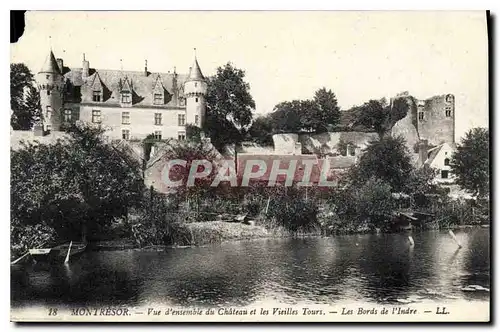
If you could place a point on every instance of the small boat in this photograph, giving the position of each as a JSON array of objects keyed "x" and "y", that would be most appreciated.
[{"x": 58, "y": 253}]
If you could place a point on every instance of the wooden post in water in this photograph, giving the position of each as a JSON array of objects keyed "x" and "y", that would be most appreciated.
[
  {"x": 412, "y": 243},
  {"x": 267, "y": 205},
  {"x": 66, "y": 261},
  {"x": 455, "y": 238}
]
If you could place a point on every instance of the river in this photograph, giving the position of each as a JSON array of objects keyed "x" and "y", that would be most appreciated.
[{"x": 379, "y": 268}]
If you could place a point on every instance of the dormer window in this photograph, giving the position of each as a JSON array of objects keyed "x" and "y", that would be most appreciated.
[
  {"x": 158, "y": 99},
  {"x": 96, "y": 96},
  {"x": 126, "y": 97}
]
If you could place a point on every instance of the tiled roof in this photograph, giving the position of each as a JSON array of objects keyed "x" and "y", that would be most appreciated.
[{"x": 432, "y": 153}]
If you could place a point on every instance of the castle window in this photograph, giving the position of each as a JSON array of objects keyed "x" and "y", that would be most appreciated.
[
  {"x": 196, "y": 119},
  {"x": 196, "y": 99},
  {"x": 195, "y": 84},
  {"x": 182, "y": 101},
  {"x": 126, "y": 134},
  {"x": 444, "y": 174},
  {"x": 96, "y": 116},
  {"x": 126, "y": 97},
  {"x": 48, "y": 127},
  {"x": 181, "y": 119},
  {"x": 67, "y": 115},
  {"x": 96, "y": 96},
  {"x": 352, "y": 151},
  {"x": 158, "y": 135},
  {"x": 181, "y": 136},
  {"x": 158, "y": 99},
  {"x": 447, "y": 162},
  {"x": 420, "y": 115},
  {"x": 157, "y": 118},
  {"x": 48, "y": 76},
  {"x": 125, "y": 117},
  {"x": 48, "y": 92},
  {"x": 448, "y": 111}
]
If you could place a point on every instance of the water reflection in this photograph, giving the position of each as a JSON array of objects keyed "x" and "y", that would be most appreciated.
[{"x": 381, "y": 268}]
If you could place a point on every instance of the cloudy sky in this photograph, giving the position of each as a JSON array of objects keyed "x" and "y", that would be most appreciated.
[{"x": 286, "y": 55}]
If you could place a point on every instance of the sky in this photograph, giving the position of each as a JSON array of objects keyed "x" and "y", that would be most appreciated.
[{"x": 286, "y": 55}]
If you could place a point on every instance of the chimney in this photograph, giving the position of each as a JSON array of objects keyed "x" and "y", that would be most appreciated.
[
  {"x": 60, "y": 64},
  {"x": 146, "y": 68},
  {"x": 85, "y": 68},
  {"x": 422, "y": 152}
]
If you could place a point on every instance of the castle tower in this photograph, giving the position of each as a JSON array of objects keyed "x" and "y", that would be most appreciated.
[
  {"x": 195, "y": 91},
  {"x": 50, "y": 84},
  {"x": 436, "y": 119}
]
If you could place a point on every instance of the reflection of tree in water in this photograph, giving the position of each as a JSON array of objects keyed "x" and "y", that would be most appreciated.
[
  {"x": 313, "y": 269},
  {"x": 386, "y": 266},
  {"x": 90, "y": 280},
  {"x": 477, "y": 263},
  {"x": 205, "y": 276}
]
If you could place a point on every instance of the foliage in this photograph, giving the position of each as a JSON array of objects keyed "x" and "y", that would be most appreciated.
[
  {"x": 153, "y": 223},
  {"x": 470, "y": 163},
  {"x": 24, "y": 97},
  {"x": 189, "y": 152},
  {"x": 24, "y": 237},
  {"x": 229, "y": 106},
  {"x": 380, "y": 116},
  {"x": 326, "y": 113},
  {"x": 387, "y": 159},
  {"x": 261, "y": 131},
  {"x": 373, "y": 201},
  {"x": 74, "y": 186},
  {"x": 193, "y": 133},
  {"x": 292, "y": 211}
]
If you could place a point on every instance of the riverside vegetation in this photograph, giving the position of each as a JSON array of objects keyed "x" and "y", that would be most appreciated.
[{"x": 86, "y": 188}]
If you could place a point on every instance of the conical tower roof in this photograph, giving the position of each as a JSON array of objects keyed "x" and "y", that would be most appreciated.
[
  {"x": 195, "y": 72},
  {"x": 50, "y": 65}
]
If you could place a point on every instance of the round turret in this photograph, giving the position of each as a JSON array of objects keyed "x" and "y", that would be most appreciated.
[
  {"x": 195, "y": 91},
  {"x": 51, "y": 84}
]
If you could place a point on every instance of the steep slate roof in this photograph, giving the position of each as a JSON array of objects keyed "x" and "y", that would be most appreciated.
[
  {"x": 50, "y": 65},
  {"x": 195, "y": 72},
  {"x": 143, "y": 86}
]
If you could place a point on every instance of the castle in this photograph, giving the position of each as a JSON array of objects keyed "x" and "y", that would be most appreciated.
[{"x": 129, "y": 104}]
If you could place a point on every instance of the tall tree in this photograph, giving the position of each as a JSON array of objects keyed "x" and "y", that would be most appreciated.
[
  {"x": 380, "y": 116},
  {"x": 229, "y": 106},
  {"x": 470, "y": 163},
  {"x": 21, "y": 84},
  {"x": 261, "y": 130},
  {"x": 387, "y": 159},
  {"x": 74, "y": 184},
  {"x": 327, "y": 110}
]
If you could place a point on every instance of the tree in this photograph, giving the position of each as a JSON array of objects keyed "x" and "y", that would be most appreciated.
[
  {"x": 261, "y": 131},
  {"x": 470, "y": 163},
  {"x": 373, "y": 201},
  {"x": 287, "y": 116},
  {"x": 229, "y": 106},
  {"x": 23, "y": 97},
  {"x": 318, "y": 115},
  {"x": 380, "y": 116},
  {"x": 388, "y": 160},
  {"x": 75, "y": 186},
  {"x": 327, "y": 111}
]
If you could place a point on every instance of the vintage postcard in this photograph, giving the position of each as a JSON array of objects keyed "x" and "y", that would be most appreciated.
[{"x": 242, "y": 166}]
